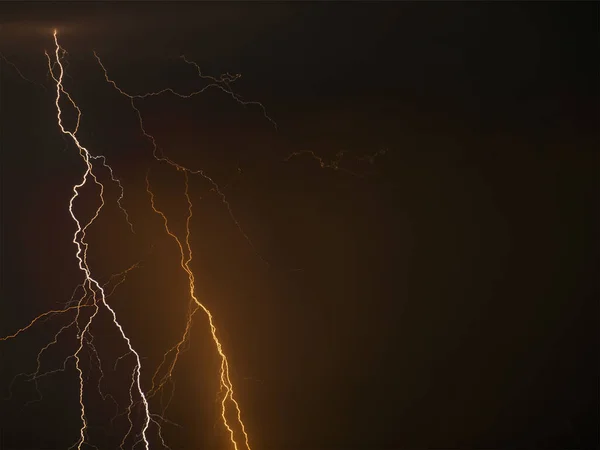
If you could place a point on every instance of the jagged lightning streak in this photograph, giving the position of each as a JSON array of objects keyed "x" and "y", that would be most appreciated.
[
  {"x": 225, "y": 380},
  {"x": 82, "y": 247},
  {"x": 223, "y": 83}
]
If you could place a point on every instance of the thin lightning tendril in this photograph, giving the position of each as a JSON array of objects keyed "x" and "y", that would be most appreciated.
[
  {"x": 18, "y": 71},
  {"x": 335, "y": 164},
  {"x": 70, "y": 306},
  {"x": 222, "y": 84}
]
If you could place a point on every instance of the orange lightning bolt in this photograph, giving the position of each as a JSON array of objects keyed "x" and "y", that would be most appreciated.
[
  {"x": 225, "y": 380},
  {"x": 228, "y": 400}
]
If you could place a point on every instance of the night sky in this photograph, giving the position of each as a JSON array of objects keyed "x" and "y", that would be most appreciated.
[{"x": 439, "y": 295}]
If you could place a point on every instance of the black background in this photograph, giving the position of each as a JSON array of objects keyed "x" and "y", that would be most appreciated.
[{"x": 446, "y": 297}]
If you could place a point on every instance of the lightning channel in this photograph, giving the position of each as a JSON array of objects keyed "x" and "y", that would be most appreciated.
[
  {"x": 224, "y": 378},
  {"x": 79, "y": 236}
]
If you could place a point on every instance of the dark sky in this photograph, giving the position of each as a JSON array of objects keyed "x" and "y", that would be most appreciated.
[{"x": 446, "y": 297}]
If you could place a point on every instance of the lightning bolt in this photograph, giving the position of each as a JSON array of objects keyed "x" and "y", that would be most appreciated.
[
  {"x": 90, "y": 283},
  {"x": 228, "y": 401},
  {"x": 224, "y": 379}
]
